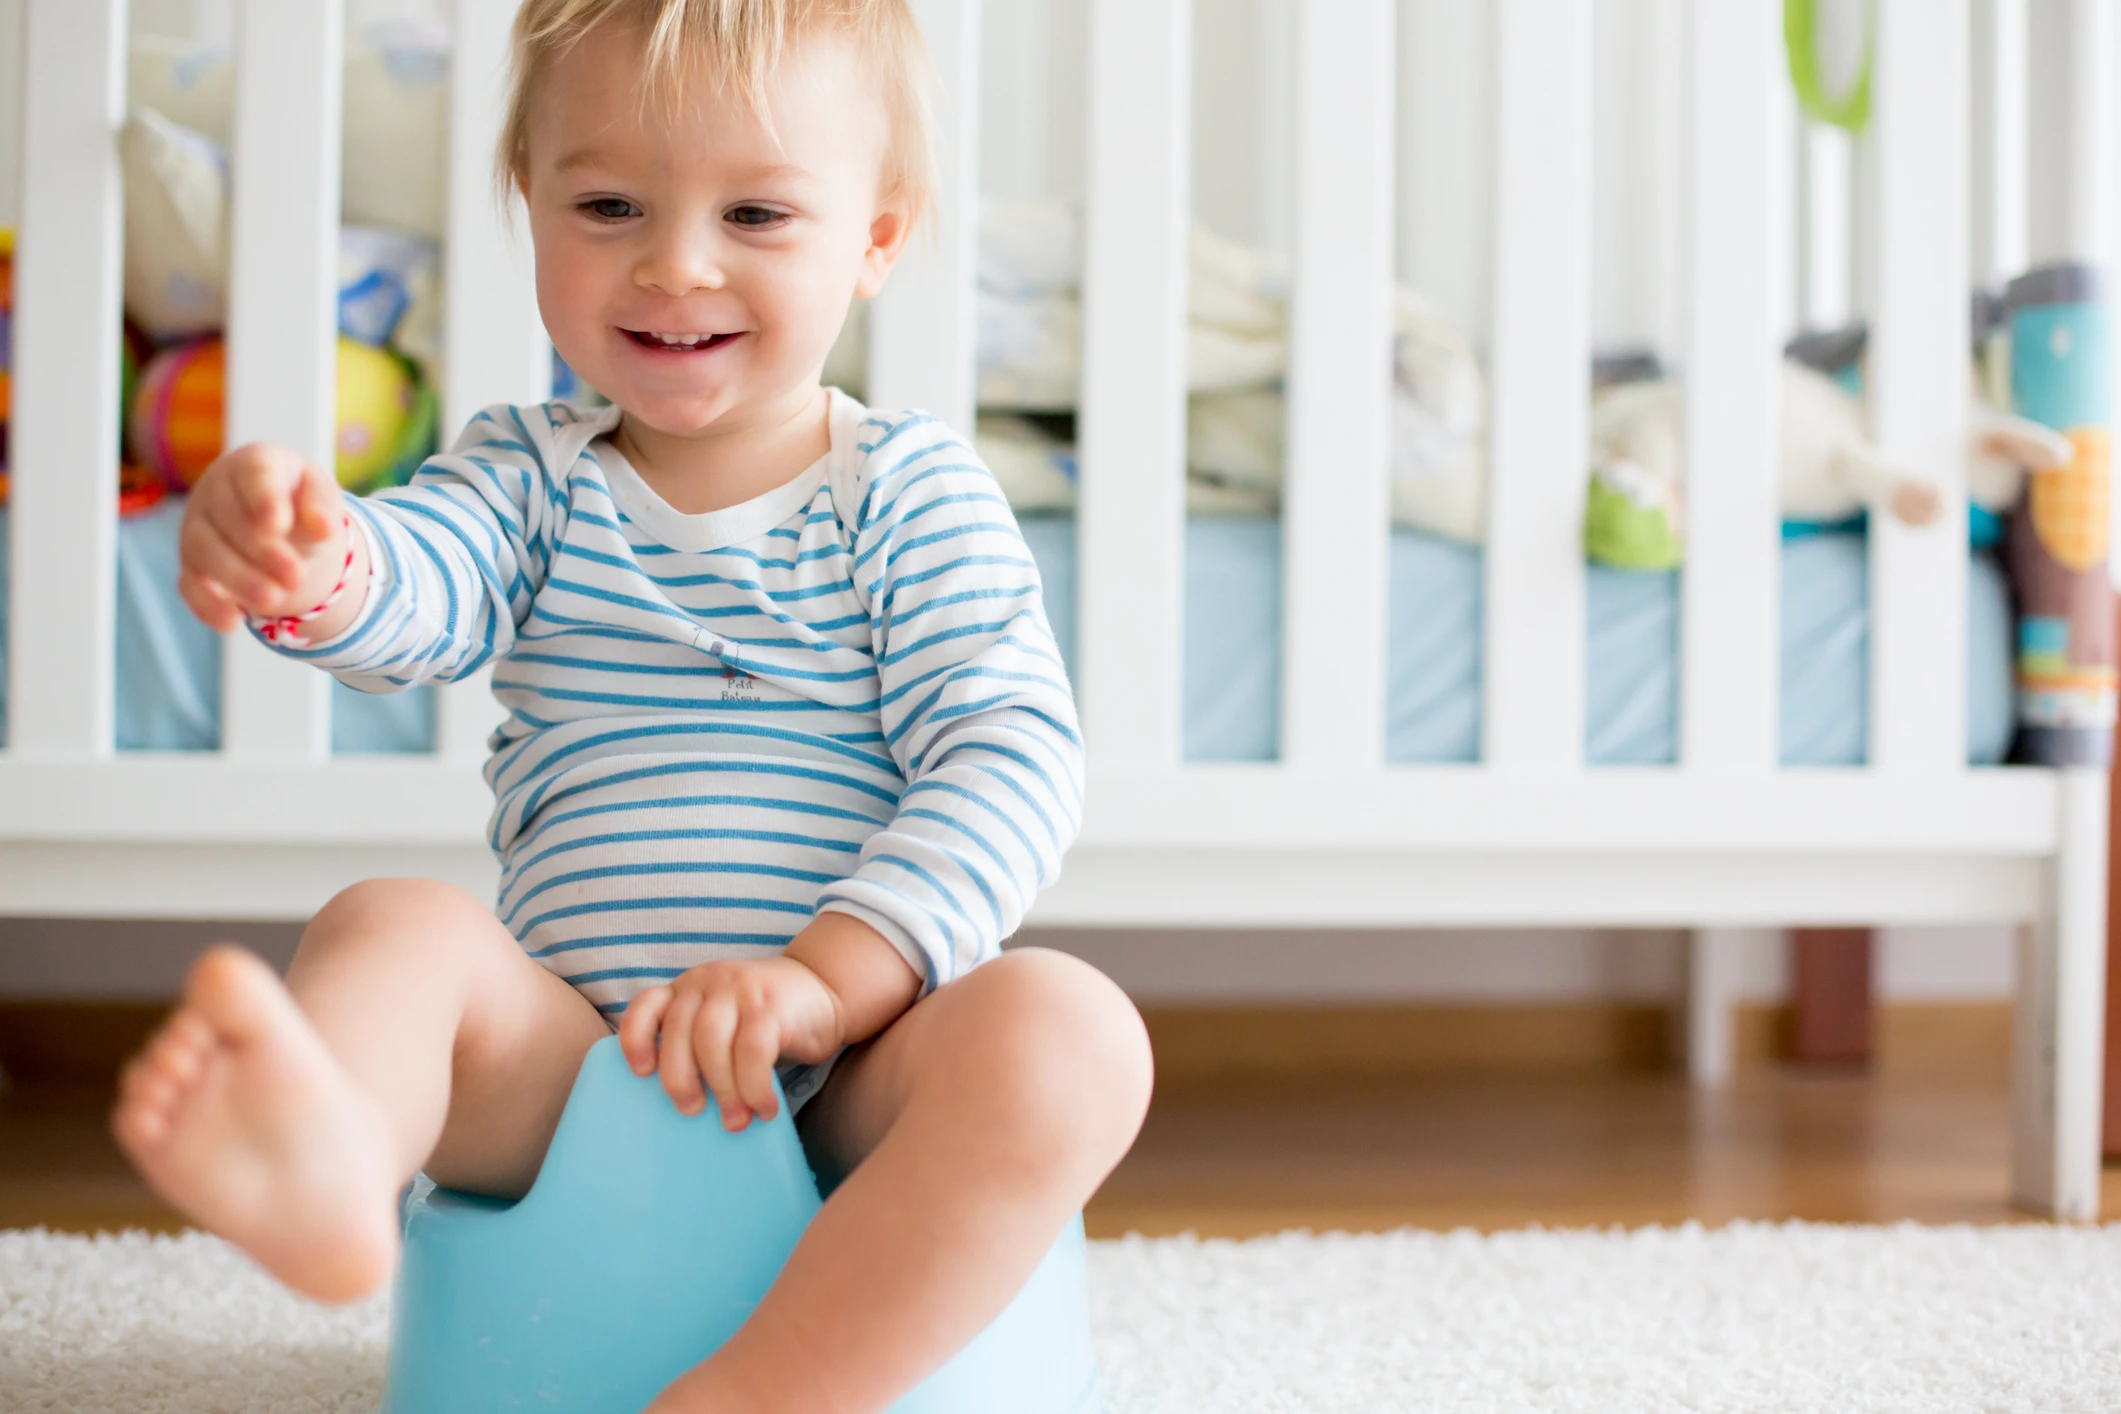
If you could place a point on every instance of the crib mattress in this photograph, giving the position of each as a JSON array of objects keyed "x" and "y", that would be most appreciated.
[
  {"x": 169, "y": 664},
  {"x": 1232, "y": 680},
  {"x": 169, "y": 679}
]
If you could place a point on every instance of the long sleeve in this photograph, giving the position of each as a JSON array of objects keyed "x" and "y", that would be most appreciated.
[
  {"x": 456, "y": 556},
  {"x": 976, "y": 708}
]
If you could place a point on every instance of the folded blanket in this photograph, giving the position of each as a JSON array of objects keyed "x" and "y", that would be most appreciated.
[{"x": 1237, "y": 353}]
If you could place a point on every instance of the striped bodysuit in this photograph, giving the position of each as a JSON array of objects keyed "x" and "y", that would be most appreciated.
[{"x": 841, "y": 695}]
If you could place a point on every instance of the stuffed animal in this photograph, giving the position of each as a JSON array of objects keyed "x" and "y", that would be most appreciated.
[{"x": 1830, "y": 468}]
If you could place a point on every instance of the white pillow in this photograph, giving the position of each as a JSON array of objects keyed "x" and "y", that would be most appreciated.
[
  {"x": 176, "y": 227},
  {"x": 395, "y": 154}
]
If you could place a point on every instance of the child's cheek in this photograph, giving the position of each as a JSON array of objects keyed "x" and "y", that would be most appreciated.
[{"x": 569, "y": 282}]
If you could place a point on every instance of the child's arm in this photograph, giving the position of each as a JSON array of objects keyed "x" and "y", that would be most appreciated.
[
  {"x": 975, "y": 708},
  {"x": 436, "y": 575}
]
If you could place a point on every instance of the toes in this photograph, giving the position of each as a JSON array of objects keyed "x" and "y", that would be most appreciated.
[
  {"x": 154, "y": 1084},
  {"x": 183, "y": 1048},
  {"x": 176, "y": 1055},
  {"x": 234, "y": 994},
  {"x": 138, "y": 1124}
]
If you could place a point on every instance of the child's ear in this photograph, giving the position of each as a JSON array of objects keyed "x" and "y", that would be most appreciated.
[{"x": 888, "y": 235}]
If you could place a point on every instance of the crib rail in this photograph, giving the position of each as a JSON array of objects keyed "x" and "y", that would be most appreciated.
[
  {"x": 283, "y": 320},
  {"x": 1737, "y": 121},
  {"x": 1131, "y": 522},
  {"x": 1918, "y": 372},
  {"x": 64, "y": 440},
  {"x": 1532, "y": 675},
  {"x": 1334, "y": 533}
]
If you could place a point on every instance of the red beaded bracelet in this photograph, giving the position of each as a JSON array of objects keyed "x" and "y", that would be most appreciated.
[{"x": 281, "y": 630}]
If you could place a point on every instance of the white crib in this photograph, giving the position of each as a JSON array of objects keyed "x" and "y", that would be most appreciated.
[{"x": 271, "y": 825}]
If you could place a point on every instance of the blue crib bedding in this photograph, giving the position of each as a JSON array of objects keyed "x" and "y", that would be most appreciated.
[
  {"x": 169, "y": 679},
  {"x": 169, "y": 664},
  {"x": 1232, "y": 669}
]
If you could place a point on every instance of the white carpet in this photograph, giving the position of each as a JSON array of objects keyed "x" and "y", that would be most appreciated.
[{"x": 1753, "y": 1318}]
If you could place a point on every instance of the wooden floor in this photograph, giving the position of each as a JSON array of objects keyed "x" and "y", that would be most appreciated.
[{"x": 1480, "y": 1151}]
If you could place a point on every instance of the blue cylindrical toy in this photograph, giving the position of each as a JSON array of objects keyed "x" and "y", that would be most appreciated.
[
  {"x": 2061, "y": 352},
  {"x": 647, "y": 1239}
]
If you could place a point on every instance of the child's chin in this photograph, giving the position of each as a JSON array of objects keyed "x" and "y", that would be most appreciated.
[{"x": 678, "y": 417}]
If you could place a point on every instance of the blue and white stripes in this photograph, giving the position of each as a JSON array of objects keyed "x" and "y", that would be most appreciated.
[{"x": 841, "y": 695}]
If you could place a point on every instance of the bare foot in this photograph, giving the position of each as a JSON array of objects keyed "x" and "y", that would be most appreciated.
[{"x": 240, "y": 1118}]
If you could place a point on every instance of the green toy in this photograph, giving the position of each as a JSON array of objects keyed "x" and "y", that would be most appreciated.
[
  {"x": 1851, "y": 109},
  {"x": 1629, "y": 522}
]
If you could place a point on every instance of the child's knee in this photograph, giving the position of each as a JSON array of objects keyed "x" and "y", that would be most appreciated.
[
  {"x": 441, "y": 917},
  {"x": 1068, "y": 1046}
]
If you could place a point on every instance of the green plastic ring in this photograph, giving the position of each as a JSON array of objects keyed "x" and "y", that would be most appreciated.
[{"x": 1800, "y": 35}]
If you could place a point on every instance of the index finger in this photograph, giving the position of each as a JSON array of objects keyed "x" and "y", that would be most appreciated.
[{"x": 265, "y": 491}]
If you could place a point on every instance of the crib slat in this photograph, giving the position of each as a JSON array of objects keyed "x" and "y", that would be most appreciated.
[
  {"x": 1918, "y": 375},
  {"x": 2001, "y": 95},
  {"x": 2073, "y": 117},
  {"x": 1534, "y": 667},
  {"x": 1131, "y": 522},
  {"x": 63, "y": 449},
  {"x": 1829, "y": 273},
  {"x": 283, "y": 318},
  {"x": 1335, "y": 504},
  {"x": 1728, "y": 659},
  {"x": 496, "y": 349},
  {"x": 1446, "y": 157},
  {"x": 921, "y": 341}
]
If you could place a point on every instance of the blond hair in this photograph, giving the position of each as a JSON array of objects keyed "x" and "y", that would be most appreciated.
[{"x": 734, "y": 46}]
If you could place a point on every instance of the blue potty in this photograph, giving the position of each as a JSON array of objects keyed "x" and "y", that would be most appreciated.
[{"x": 647, "y": 1239}]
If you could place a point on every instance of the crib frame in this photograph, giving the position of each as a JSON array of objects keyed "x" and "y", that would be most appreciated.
[{"x": 271, "y": 825}]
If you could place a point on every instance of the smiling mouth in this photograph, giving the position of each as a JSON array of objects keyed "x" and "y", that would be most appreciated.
[{"x": 680, "y": 343}]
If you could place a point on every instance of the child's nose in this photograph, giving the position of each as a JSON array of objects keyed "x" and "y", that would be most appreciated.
[{"x": 680, "y": 267}]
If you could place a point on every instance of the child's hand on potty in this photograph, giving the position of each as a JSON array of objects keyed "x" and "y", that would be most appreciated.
[
  {"x": 729, "y": 1021},
  {"x": 837, "y": 983}
]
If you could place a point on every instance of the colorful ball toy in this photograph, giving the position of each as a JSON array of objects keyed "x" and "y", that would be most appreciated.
[
  {"x": 176, "y": 424},
  {"x": 377, "y": 397},
  {"x": 385, "y": 417}
]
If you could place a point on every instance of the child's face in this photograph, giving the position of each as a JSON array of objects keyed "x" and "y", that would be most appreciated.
[{"x": 696, "y": 228}]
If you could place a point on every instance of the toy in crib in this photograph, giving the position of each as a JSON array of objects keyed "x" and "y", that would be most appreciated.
[
  {"x": 176, "y": 282},
  {"x": 1830, "y": 471},
  {"x": 386, "y": 416},
  {"x": 2061, "y": 377},
  {"x": 645, "y": 1242}
]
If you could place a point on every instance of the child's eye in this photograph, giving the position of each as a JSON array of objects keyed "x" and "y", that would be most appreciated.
[
  {"x": 754, "y": 218},
  {"x": 609, "y": 208}
]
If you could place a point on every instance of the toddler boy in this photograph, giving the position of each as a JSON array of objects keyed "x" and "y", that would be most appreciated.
[{"x": 789, "y": 747}]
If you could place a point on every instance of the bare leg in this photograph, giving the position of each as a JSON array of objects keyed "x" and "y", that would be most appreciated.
[
  {"x": 1012, "y": 1092},
  {"x": 412, "y": 1032}
]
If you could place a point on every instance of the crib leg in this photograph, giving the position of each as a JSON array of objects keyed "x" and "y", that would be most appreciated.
[
  {"x": 2058, "y": 1061},
  {"x": 1711, "y": 978}
]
